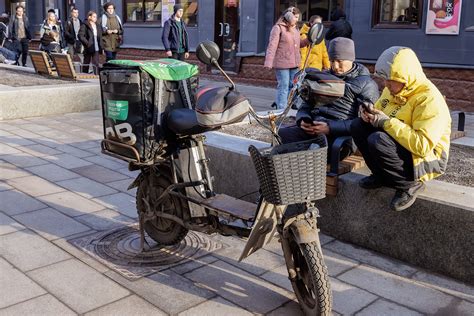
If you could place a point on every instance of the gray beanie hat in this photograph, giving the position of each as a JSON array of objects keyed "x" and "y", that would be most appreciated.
[{"x": 341, "y": 48}]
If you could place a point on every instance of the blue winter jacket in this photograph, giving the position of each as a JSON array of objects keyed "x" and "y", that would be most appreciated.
[{"x": 170, "y": 35}]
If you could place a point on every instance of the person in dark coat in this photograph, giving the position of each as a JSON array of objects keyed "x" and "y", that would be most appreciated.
[
  {"x": 71, "y": 33},
  {"x": 19, "y": 32},
  {"x": 340, "y": 27},
  {"x": 175, "y": 35},
  {"x": 334, "y": 119},
  {"x": 90, "y": 35}
]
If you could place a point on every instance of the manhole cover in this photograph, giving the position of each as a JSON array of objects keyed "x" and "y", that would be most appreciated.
[{"x": 119, "y": 249}]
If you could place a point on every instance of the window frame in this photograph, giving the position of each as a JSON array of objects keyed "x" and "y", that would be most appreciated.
[
  {"x": 141, "y": 22},
  {"x": 376, "y": 24},
  {"x": 326, "y": 20}
]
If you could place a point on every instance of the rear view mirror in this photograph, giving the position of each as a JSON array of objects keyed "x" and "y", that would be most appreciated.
[
  {"x": 316, "y": 34},
  {"x": 208, "y": 52}
]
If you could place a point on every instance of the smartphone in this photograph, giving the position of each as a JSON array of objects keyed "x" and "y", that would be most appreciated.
[
  {"x": 307, "y": 120},
  {"x": 368, "y": 106}
]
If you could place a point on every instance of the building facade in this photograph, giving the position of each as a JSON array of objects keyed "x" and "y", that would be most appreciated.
[{"x": 241, "y": 28}]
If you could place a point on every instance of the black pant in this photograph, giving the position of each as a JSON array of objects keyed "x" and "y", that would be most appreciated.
[
  {"x": 110, "y": 55},
  {"x": 91, "y": 59},
  {"x": 23, "y": 46},
  {"x": 294, "y": 134},
  {"x": 391, "y": 163},
  {"x": 179, "y": 56}
]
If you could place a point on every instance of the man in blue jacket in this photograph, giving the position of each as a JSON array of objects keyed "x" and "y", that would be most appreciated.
[{"x": 175, "y": 36}]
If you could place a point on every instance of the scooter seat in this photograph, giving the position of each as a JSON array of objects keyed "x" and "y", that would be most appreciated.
[{"x": 184, "y": 122}]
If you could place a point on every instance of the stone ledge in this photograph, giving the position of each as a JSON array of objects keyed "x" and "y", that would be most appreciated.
[
  {"x": 23, "y": 102},
  {"x": 435, "y": 233}
]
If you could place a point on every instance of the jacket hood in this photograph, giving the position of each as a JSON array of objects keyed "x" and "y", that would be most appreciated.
[
  {"x": 304, "y": 29},
  {"x": 401, "y": 64}
]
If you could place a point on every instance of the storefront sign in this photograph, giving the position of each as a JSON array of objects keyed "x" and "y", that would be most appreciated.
[
  {"x": 166, "y": 10},
  {"x": 443, "y": 17}
]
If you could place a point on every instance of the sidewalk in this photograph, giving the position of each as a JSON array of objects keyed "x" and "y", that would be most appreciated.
[{"x": 56, "y": 186}]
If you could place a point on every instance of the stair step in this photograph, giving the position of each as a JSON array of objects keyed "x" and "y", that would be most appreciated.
[{"x": 229, "y": 205}]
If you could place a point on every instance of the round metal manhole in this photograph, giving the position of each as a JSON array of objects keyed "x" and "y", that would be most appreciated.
[{"x": 120, "y": 250}]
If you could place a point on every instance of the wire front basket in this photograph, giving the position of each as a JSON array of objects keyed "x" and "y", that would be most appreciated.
[{"x": 292, "y": 173}]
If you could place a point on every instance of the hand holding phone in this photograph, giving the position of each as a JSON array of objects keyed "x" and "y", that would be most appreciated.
[
  {"x": 307, "y": 120},
  {"x": 367, "y": 106}
]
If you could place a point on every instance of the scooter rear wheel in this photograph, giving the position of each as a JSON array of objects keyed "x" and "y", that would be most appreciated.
[
  {"x": 311, "y": 284},
  {"x": 163, "y": 231}
]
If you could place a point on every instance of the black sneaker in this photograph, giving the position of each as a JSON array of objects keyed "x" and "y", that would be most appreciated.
[
  {"x": 274, "y": 105},
  {"x": 403, "y": 199},
  {"x": 370, "y": 183}
]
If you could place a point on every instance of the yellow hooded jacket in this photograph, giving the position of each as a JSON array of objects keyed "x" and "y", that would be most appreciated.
[
  {"x": 419, "y": 116},
  {"x": 318, "y": 57}
]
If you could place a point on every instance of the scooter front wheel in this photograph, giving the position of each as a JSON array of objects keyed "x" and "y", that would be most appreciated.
[
  {"x": 311, "y": 283},
  {"x": 163, "y": 231}
]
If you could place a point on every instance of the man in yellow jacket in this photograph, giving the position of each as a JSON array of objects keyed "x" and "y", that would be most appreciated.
[
  {"x": 318, "y": 57},
  {"x": 405, "y": 136}
]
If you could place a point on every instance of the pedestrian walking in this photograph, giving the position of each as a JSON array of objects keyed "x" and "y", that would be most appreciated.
[
  {"x": 112, "y": 31},
  {"x": 283, "y": 53},
  {"x": 90, "y": 35},
  {"x": 19, "y": 33},
  {"x": 175, "y": 35},
  {"x": 340, "y": 27},
  {"x": 318, "y": 57},
  {"x": 71, "y": 34}
]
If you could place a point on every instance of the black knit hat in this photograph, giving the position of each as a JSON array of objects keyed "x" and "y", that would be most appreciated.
[{"x": 177, "y": 7}]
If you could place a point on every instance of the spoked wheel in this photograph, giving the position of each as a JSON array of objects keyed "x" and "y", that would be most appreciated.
[
  {"x": 311, "y": 284},
  {"x": 161, "y": 230}
]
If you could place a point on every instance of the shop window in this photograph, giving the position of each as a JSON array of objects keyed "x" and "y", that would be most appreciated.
[
  {"x": 308, "y": 8},
  {"x": 397, "y": 13},
  {"x": 157, "y": 12}
]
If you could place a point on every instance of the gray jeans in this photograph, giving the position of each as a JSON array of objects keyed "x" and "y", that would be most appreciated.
[{"x": 75, "y": 49}]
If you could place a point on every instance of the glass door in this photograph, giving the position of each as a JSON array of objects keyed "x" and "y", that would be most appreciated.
[{"x": 227, "y": 32}]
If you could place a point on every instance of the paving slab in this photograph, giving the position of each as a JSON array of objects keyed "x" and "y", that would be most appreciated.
[
  {"x": 291, "y": 308},
  {"x": 8, "y": 225},
  {"x": 169, "y": 291},
  {"x": 16, "y": 202},
  {"x": 52, "y": 172},
  {"x": 86, "y": 187},
  {"x": 121, "y": 202},
  {"x": 131, "y": 174},
  {"x": 348, "y": 299},
  {"x": 15, "y": 141},
  {"x": 371, "y": 258},
  {"x": 70, "y": 203},
  {"x": 24, "y": 160},
  {"x": 445, "y": 284},
  {"x": 279, "y": 277},
  {"x": 78, "y": 285},
  {"x": 9, "y": 171},
  {"x": 105, "y": 220},
  {"x": 39, "y": 150},
  {"x": 122, "y": 185},
  {"x": 216, "y": 307},
  {"x": 131, "y": 305},
  {"x": 382, "y": 307},
  {"x": 27, "y": 251},
  {"x": 337, "y": 263},
  {"x": 34, "y": 186},
  {"x": 82, "y": 256},
  {"x": 20, "y": 287},
  {"x": 240, "y": 287},
  {"x": 67, "y": 161},
  {"x": 193, "y": 264},
  {"x": 104, "y": 161},
  {"x": 51, "y": 224},
  {"x": 398, "y": 289},
  {"x": 73, "y": 151},
  {"x": 99, "y": 173},
  {"x": 4, "y": 186},
  {"x": 42, "y": 305},
  {"x": 258, "y": 263},
  {"x": 8, "y": 150}
]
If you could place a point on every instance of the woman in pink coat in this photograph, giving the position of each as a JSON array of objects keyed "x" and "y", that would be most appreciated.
[{"x": 283, "y": 53}]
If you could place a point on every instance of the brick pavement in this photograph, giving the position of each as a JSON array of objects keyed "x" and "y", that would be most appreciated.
[{"x": 55, "y": 185}]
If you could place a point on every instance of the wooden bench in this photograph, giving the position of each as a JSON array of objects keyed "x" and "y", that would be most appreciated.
[
  {"x": 41, "y": 64},
  {"x": 65, "y": 68}
]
